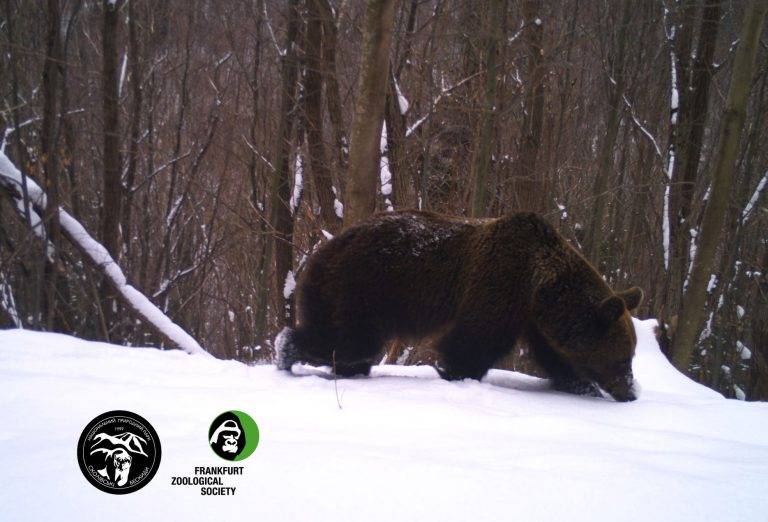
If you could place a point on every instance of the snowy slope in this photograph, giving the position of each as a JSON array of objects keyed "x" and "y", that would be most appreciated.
[{"x": 404, "y": 446}]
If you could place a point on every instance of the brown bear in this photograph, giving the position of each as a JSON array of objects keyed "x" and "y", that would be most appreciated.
[{"x": 477, "y": 286}]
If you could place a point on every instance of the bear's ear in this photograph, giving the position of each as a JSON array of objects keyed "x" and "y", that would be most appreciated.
[
  {"x": 632, "y": 297},
  {"x": 610, "y": 309}
]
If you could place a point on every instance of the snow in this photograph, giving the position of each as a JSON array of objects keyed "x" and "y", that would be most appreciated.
[
  {"x": 416, "y": 125},
  {"x": 712, "y": 283},
  {"x": 692, "y": 249},
  {"x": 755, "y": 196},
  {"x": 7, "y": 302},
  {"x": 667, "y": 209},
  {"x": 122, "y": 76},
  {"x": 174, "y": 210},
  {"x": 290, "y": 284},
  {"x": 445, "y": 91},
  {"x": 674, "y": 101},
  {"x": 298, "y": 182},
  {"x": 385, "y": 175},
  {"x": 404, "y": 445},
  {"x": 674, "y": 105},
  {"x": 642, "y": 127},
  {"x": 402, "y": 101},
  {"x": 563, "y": 210},
  {"x": 280, "y": 51},
  {"x": 338, "y": 207},
  {"x": 744, "y": 352},
  {"x": 517, "y": 33}
]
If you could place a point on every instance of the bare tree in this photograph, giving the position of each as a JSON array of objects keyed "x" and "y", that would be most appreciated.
[
  {"x": 615, "y": 110},
  {"x": 722, "y": 184},
  {"x": 281, "y": 217},
  {"x": 134, "y": 56},
  {"x": 313, "y": 100},
  {"x": 364, "y": 152},
  {"x": 49, "y": 139},
  {"x": 481, "y": 162},
  {"x": 530, "y": 182},
  {"x": 695, "y": 79},
  {"x": 112, "y": 186}
]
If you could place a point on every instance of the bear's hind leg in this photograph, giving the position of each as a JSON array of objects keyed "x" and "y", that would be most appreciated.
[
  {"x": 564, "y": 378},
  {"x": 362, "y": 368},
  {"x": 349, "y": 351},
  {"x": 303, "y": 345},
  {"x": 354, "y": 351}
]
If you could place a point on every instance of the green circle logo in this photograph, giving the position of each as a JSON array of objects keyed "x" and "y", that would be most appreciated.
[{"x": 233, "y": 435}]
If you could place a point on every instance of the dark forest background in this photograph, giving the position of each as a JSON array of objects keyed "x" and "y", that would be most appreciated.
[{"x": 211, "y": 145}]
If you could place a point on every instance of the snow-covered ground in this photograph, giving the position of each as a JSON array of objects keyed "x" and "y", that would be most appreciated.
[{"x": 404, "y": 445}]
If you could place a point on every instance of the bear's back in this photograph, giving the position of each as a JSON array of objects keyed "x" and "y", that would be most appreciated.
[{"x": 394, "y": 271}]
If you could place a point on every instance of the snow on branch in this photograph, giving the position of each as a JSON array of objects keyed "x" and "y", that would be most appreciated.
[
  {"x": 97, "y": 255},
  {"x": 385, "y": 175},
  {"x": 258, "y": 154},
  {"x": 445, "y": 91},
  {"x": 642, "y": 127},
  {"x": 280, "y": 51},
  {"x": 753, "y": 200},
  {"x": 298, "y": 182},
  {"x": 717, "y": 66},
  {"x": 402, "y": 101},
  {"x": 8, "y": 303},
  {"x": 517, "y": 34},
  {"x": 11, "y": 129}
]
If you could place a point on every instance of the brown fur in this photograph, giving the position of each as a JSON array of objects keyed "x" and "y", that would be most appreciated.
[{"x": 476, "y": 285}]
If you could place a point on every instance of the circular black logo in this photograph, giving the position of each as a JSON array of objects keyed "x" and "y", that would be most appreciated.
[
  {"x": 233, "y": 435},
  {"x": 119, "y": 452}
]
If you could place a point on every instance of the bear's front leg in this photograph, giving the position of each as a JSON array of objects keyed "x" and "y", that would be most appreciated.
[
  {"x": 564, "y": 378},
  {"x": 468, "y": 353},
  {"x": 576, "y": 386}
]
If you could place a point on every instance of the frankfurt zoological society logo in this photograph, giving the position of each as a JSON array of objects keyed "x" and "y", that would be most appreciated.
[
  {"x": 119, "y": 452},
  {"x": 233, "y": 435}
]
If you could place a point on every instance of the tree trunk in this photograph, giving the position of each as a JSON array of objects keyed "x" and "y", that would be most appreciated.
[
  {"x": 531, "y": 187},
  {"x": 49, "y": 138},
  {"x": 110, "y": 210},
  {"x": 692, "y": 312},
  {"x": 404, "y": 193},
  {"x": 133, "y": 149},
  {"x": 364, "y": 152},
  {"x": 688, "y": 138},
  {"x": 605, "y": 161},
  {"x": 482, "y": 157},
  {"x": 332, "y": 92},
  {"x": 313, "y": 101},
  {"x": 280, "y": 190},
  {"x": 258, "y": 196}
]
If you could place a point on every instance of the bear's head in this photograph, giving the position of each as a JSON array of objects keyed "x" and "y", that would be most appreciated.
[
  {"x": 604, "y": 350},
  {"x": 598, "y": 340}
]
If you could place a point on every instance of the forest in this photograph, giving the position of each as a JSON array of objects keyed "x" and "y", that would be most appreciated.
[{"x": 166, "y": 168}]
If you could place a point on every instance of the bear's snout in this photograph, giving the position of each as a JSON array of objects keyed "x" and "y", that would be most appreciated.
[{"x": 622, "y": 388}]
